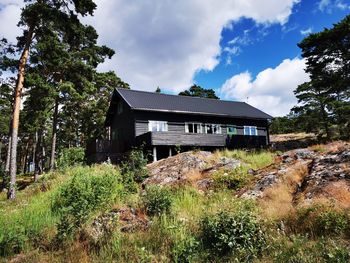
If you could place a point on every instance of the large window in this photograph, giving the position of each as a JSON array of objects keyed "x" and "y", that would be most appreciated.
[
  {"x": 157, "y": 126},
  {"x": 250, "y": 130},
  {"x": 212, "y": 128},
  {"x": 193, "y": 127}
]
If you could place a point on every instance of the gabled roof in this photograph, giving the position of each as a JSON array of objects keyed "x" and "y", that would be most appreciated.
[{"x": 152, "y": 101}]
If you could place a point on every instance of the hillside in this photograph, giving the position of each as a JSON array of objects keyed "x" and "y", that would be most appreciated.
[{"x": 225, "y": 206}]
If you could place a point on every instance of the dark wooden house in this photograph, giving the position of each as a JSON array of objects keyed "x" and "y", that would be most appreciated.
[{"x": 163, "y": 122}]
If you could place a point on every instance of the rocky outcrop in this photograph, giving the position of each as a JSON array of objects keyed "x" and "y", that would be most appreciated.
[
  {"x": 326, "y": 174},
  {"x": 125, "y": 219},
  {"x": 188, "y": 168}
]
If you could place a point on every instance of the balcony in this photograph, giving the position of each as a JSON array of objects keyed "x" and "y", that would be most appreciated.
[{"x": 183, "y": 139}]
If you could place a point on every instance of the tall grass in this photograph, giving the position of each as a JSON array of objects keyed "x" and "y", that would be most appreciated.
[{"x": 253, "y": 159}]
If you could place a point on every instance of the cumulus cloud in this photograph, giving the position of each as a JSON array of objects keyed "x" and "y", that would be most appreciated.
[
  {"x": 9, "y": 16},
  {"x": 271, "y": 90},
  {"x": 164, "y": 43}
]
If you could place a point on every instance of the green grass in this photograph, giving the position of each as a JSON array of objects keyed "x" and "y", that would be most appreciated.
[
  {"x": 27, "y": 225},
  {"x": 252, "y": 159}
]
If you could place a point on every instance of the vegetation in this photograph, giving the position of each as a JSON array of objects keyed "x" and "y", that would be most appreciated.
[
  {"x": 198, "y": 91},
  {"x": 323, "y": 102},
  {"x": 51, "y": 220}
]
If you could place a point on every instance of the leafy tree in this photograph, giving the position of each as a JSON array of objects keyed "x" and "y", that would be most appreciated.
[
  {"x": 158, "y": 90},
  {"x": 327, "y": 95},
  {"x": 198, "y": 91}
]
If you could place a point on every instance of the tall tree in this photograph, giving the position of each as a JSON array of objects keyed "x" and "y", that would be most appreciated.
[
  {"x": 198, "y": 91},
  {"x": 327, "y": 94},
  {"x": 37, "y": 19}
]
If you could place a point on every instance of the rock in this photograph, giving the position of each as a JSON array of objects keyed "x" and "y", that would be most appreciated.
[
  {"x": 188, "y": 168},
  {"x": 127, "y": 219}
]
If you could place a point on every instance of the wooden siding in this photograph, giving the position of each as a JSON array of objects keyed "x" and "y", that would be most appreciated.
[{"x": 182, "y": 139}]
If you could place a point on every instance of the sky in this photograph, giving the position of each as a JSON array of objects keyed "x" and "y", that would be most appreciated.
[{"x": 245, "y": 50}]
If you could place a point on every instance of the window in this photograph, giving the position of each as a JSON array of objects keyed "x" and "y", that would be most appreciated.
[
  {"x": 231, "y": 130},
  {"x": 250, "y": 130},
  {"x": 193, "y": 128},
  {"x": 157, "y": 126},
  {"x": 212, "y": 128},
  {"x": 119, "y": 107}
]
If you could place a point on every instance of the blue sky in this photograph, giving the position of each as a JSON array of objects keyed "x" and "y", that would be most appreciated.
[
  {"x": 244, "y": 49},
  {"x": 262, "y": 46}
]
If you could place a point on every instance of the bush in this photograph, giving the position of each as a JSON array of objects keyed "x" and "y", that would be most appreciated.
[
  {"x": 83, "y": 195},
  {"x": 71, "y": 156},
  {"x": 233, "y": 179},
  {"x": 226, "y": 232},
  {"x": 300, "y": 249},
  {"x": 157, "y": 200},
  {"x": 184, "y": 250},
  {"x": 319, "y": 220},
  {"x": 134, "y": 170}
]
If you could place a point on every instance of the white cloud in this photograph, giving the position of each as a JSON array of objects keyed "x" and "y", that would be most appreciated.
[
  {"x": 329, "y": 5},
  {"x": 306, "y": 31},
  {"x": 271, "y": 90},
  {"x": 9, "y": 16},
  {"x": 164, "y": 43}
]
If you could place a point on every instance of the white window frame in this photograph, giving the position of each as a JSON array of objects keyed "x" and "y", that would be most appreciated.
[
  {"x": 250, "y": 128},
  {"x": 200, "y": 126},
  {"x": 218, "y": 131},
  {"x": 159, "y": 126}
]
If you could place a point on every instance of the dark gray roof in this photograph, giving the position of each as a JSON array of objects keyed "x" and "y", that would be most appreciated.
[{"x": 152, "y": 101}]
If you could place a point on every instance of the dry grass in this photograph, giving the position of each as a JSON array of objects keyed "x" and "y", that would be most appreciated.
[
  {"x": 333, "y": 147},
  {"x": 278, "y": 199},
  {"x": 292, "y": 136}
]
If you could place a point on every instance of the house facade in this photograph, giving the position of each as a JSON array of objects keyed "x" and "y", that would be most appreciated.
[{"x": 163, "y": 123}]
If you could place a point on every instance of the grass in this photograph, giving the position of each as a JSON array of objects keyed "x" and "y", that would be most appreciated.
[
  {"x": 293, "y": 233},
  {"x": 252, "y": 159}
]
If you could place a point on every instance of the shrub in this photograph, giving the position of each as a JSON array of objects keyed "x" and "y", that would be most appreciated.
[
  {"x": 184, "y": 250},
  {"x": 300, "y": 249},
  {"x": 232, "y": 179},
  {"x": 226, "y": 232},
  {"x": 134, "y": 169},
  {"x": 83, "y": 195},
  {"x": 157, "y": 200},
  {"x": 319, "y": 220},
  {"x": 71, "y": 156}
]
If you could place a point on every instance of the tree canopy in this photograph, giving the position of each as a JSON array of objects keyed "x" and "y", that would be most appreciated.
[{"x": 198, "y": 91}]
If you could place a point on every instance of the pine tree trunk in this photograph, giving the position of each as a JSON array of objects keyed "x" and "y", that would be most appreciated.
[
  {"x": 34, "y": 157},
  {"x": 25, "y": 158},
  {"x": 11, "y": 194},
  {"x": 54, "y": 136}
]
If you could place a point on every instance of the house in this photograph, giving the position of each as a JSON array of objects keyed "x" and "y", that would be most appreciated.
[{"x": 163, "y": 123}]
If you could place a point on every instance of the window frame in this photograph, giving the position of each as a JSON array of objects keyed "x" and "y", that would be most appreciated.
[
  {"x": 199, "y": 125},
  {"x": 218, "y": 131},
  {"x": 250, "y": 130},
  {"x": 159, "y": 125},
  {"x": 231, "y": 133}
]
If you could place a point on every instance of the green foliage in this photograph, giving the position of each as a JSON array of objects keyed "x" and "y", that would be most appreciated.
[
  {"x": 157, "y": 200},
  {"x": 324, "y": 100},
  {"x": 198, "y": 91},
  {"x": 71, "y": 156},
  {"x": 319, "y": 221},
  {"x": 297, "y": 249},
  {"x": 134, "y": 170},
  {"x": 185, "y": 249},
  {"x": 231, "y": 179},
  {"x": 250, "y": 159},
  {"x": 83, "y": 195},
  {"x": 232, "y": 232}
]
